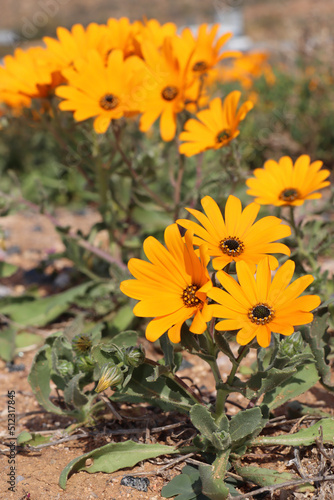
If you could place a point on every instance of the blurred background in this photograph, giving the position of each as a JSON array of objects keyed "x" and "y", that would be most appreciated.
[{"x": 278, "y": 26}]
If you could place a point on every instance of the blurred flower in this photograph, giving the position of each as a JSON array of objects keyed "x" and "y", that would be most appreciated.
[
  {"x": 75, "y": 43},
  {"x": 96, "y": 90},
  {"x": 236, "y": 238},
  {"x": 152, "y": 30},
  {"x": 258, "y": 306},
  {"x": 119, "y": 34},
  {"x": 215, "y": 127},
  {"x": 285, "y": 183},
  {"x": 247, "y": 68},
  {"x": 172, "y": 287},
  {"x": 204, "y": 49},
  {"x": 25, "y": 75},
  {"x": 111, "y": 375},
  {"x": 162, "y": 92}
]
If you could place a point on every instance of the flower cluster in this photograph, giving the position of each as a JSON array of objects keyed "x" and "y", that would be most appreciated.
[
  {"x": 123, "y": 69},
  {"x": 175, "y": 285}
]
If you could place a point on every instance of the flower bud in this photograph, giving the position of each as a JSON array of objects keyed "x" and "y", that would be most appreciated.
[
  {"x": 65, "y": 368},
  {"x": 81, "y": 343},
  {"x": 85, "y": 364},
  {"x": 292, "y": 345},
  {"x": 111, "y": 375},
  {"x": 134, "y": 356}
]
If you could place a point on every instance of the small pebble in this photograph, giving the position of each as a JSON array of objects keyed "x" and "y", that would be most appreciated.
[
  {"x": 15, "y": 368},
  {"x": 5, "y": 291},
  {"x": 19, "y": 478},
  {"x": 139, "y": 483},
  {"x": 14, "y": 249},
  {"x": 37, "y": 228}
]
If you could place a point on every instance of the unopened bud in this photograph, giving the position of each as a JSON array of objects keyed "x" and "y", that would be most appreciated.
[
  {"x": 65, "y": 368},
  {"x": 134, "y": 356},
  {"x": 85, "y": 364},
  {"x": 111, "y": 375}
]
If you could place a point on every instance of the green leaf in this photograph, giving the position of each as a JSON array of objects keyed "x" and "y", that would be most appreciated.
[
  {"x": 40, "y": 312},
  {"x": 304, "y": 437},
  {"x": 318, "y": 339},
  {"x": 163, "y": 392},
  {"x": 186, "y": 486},
  {"x": 264, "y": 381},
  {"x": 115, "y": 456},
  {"x": 125, "y": 339},
  {"x": 74, "y": 328},
  {"x": 73, "y": 394},
  {"x": 246, "y": 423},
  {"x": 168, "y": 351},
  {"x": 212, "y": 477},
  {"x": 122, "y": 318},
  {"x": 305, "y": 377},
  {"x": 7, "y": 343},
  {"x": 265, "y": 477},
  {"x": 7, "y": 270},
  {"x": 26, "y": 339},
  {"x": 32, "y": 439},
  {"x": 39, "y": 379}
]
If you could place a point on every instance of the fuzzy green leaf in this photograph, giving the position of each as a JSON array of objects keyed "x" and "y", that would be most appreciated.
[
  {"x": 163, "y": 392},
  {"x": 304, "y": 437},
  {"x": 114, "y": 456},
  {"x": 317, "y": 337},
  {"x": 212, "y": 477},
  {"x": 7, "y": 343},
  {"x": 265, "y": 477},
  {"x": 305, "y": 377},
  {"x": 42, "y": 311},
  {"x": 39, "y": 379},
  {"x": 73, "y": 394}
]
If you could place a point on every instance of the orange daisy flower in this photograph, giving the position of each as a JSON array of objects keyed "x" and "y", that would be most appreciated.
[
  {"x": 258, "y": 306},
  {"x": 285, "y": 183},
  {"x": 215, "y": 127},
  {"x": 28, "y": 73},
  {"x": 205, "y": 51},
  {"x": 172, "y": 287},
  {"x": 236, "y": 237},
  {"x": 120, "y": 34},
  {"x": 163, "y": 88},
  {"x": 75, "y": 44},
  {"x": 96, "y": 90}
]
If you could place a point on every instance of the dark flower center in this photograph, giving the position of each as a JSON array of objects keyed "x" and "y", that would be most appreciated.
[
  {"x": 261, "y": 314},
  {"x": 232, "y": 246},
  {"x": 290, "y": 194},
  {"x": 223, "y": 135},
  {"x": 200, "y": 66},
  {"x": 169, "y": 93},
  {"x": 108, "y": 102},
  {"x": 189, "y": 296}
]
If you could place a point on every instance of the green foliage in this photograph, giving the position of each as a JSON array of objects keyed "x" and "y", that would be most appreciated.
[
  {"x": 318, "y": 339},
  {"x": 114, "y": 456},
  {"x": 304, "y": 437},
  {"x": 186, "y": 486},
  {"x": 163, "y": 392},
  {"x": 304, "y": 378},
  {"x": 267, "y": 477}
]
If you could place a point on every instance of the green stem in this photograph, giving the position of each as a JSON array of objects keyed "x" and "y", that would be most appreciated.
[
  {"x": 222, "y": 389},
  {"x": 302, "y": 254},
  {"x": 134, "y": 174},
  {"x": 195, "y": 397},
  {"x": 235, "y": 366}
]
